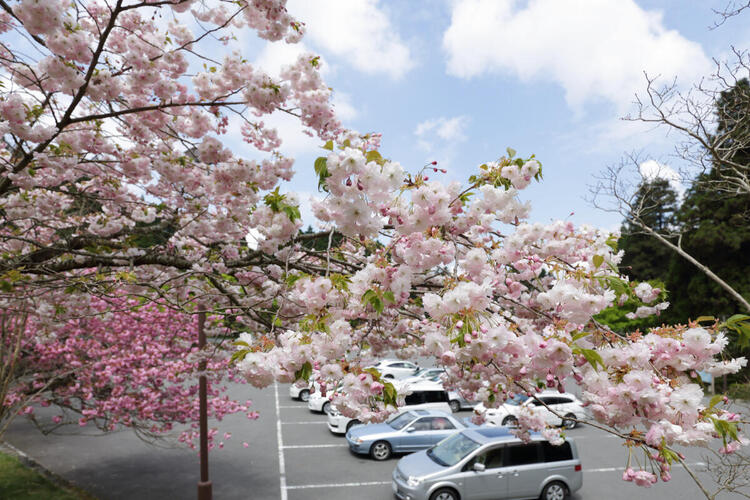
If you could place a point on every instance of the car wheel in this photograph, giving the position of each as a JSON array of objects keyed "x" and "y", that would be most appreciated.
[
  {"x": 326, "y": 407},
  {"x": 444, "y": 494},
  {"x": 568, "y": 422},
  {"x": 555, "y": 491},
  {"x": 510, "y": 421},
  {"x": 380, "y": 450},
  {"x": 304, "y": 395},
  {"x": 352, "y": 424},
  {"x": 455, "y": 406}
]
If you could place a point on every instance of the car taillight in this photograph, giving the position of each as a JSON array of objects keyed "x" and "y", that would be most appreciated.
[{"x": 578, "y": 468}]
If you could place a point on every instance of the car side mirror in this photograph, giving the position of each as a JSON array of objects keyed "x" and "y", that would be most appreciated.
[
  {"x": 479, "y": 467},
  {"x": 411, "y": 429}
]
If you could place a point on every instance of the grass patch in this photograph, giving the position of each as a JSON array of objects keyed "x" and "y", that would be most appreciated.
[{"x": 23, "y": 483}]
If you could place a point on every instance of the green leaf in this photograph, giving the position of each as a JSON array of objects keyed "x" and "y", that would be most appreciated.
[
  {"x": 593, "y": 357},
  {"x": 703, "y": 319},
  {"x": 291, "y": 279},
  {"x": 304, "y": 372},
  {"x": 740, "y": 324},
  {"x": 737, "y": 318},
  {"x": 321, "y": 169},
  {"x": 598, "y": 261},
  {"x": 716, "y": 400},
  {"x": 511, "y": 152},
  {"x": 328, "y": 145},
  {"x": 241, "y": 343},
  {"x": 367, "y": 296},
  {"x": 239, "y": 355},
  {"x": 390, "y": 395},
  {"x": 389, "y": 297},
  {"x": 579, "y": 335},
  {"x": 612, "y": 242},
  {"x": 374, "y": 156}
]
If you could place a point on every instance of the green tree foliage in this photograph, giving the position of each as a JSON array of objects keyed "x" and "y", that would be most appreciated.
[
  {"x": 645, "y": 257},
  {"x": 713, "y": 222}
]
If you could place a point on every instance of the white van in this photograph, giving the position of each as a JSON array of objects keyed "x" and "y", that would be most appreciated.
[{"x": 421, "y": 395}]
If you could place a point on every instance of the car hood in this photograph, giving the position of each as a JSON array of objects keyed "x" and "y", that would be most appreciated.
[
  {"x": 418, "y": 464},
  {"x": 370, "y": 430}
]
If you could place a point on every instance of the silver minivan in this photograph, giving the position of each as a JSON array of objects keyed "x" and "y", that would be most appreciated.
[{"x": 489, "y": 463}]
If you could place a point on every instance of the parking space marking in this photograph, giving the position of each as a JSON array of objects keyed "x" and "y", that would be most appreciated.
[
  {"x": 300, "y": 446},
  {"x": 337, "y": 485},
  {"x": 293, "y": 406},
  {"x": 305, "y": 422},
  {"x": 282, "y": 468}
]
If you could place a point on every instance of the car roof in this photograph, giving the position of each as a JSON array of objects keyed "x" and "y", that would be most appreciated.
[
  {"x": 393, "y": 360},
  {"x": 491, "y": 434},
  {"x": 423, "y": 385},
  {"x": 554, "y": 393},
  {"x": 430, "y": 413}
]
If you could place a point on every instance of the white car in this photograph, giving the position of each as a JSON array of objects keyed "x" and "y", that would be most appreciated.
[
  {"x": 456, "y": 401},
  {"x": 396, "y": 368},
  {"x": 302, "y": 393},
  {"x": 422, "y": 395},
  {"x": 319, "y": 403},
  {"x": 567, "y": 405}
]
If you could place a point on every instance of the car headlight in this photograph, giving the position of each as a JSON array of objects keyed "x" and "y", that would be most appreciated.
[
  {"x": 413, "y": 481},
  {"x": 358, "y": 440}
]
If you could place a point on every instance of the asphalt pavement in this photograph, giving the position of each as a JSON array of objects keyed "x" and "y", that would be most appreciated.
[{"x": 291, "y": 455}]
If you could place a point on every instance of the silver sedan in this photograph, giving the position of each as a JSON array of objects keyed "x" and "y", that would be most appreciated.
[{"x": 410, "y": 431}]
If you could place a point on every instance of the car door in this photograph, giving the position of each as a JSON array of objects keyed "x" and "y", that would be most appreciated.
[
  {"x": 551, "y": 402},
  {"x": 441, "y": 427},
  {"x": 405, "y": 369},
  {"x": 417, "y": 435},
  {"x": 524, "y": 468},
  {"x": 490, "y": 483}
]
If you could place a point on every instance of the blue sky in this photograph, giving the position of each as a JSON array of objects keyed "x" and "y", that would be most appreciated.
[{"x": 459, "y": 81}]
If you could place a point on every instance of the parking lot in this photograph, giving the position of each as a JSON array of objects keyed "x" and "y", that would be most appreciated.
[
  {"x": 291, "y": 455},
  {"x": 317, "y": 463}
]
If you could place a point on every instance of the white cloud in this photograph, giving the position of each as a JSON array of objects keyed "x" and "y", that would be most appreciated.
[
  {"x": 652, "y": 169},
  {"x": 442, "y": 129},
  {"x": 594, "y": 49},
  {"x": 439, "y": 138},
  {"x": 342, "y": 103},
  {"x": 276, "y": 55},
  {"x": 356, "y": 30}
]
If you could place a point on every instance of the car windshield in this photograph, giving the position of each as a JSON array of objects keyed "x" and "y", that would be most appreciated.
[
  {"x": 401, "y": 421},
  {"x": 517, "y": 400},
  {"x": 452, "y": 449}
]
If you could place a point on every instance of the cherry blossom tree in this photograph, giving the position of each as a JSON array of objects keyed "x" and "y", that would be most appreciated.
[
  {"x": 118, "y": 190},
  {"x": 117, "y": 186},
  {"x": 126, "y": 364}
]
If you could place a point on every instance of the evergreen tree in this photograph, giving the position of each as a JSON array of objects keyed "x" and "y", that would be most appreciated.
[
  {"x": 715, "y": 220},
  {"x": 645, "y": 257}
]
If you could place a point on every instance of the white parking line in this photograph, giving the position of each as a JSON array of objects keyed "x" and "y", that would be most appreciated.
[
  {"x": 299, "y": 446},
  {"x": 305, "y": 422},
  {"x": 336, "y": 485},
  {"x": 282, "y": 467}
]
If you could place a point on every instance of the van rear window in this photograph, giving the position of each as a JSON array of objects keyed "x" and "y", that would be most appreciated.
[
  {"x": 557, "y": 453},
  {"x": 436, "y": 397}
]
